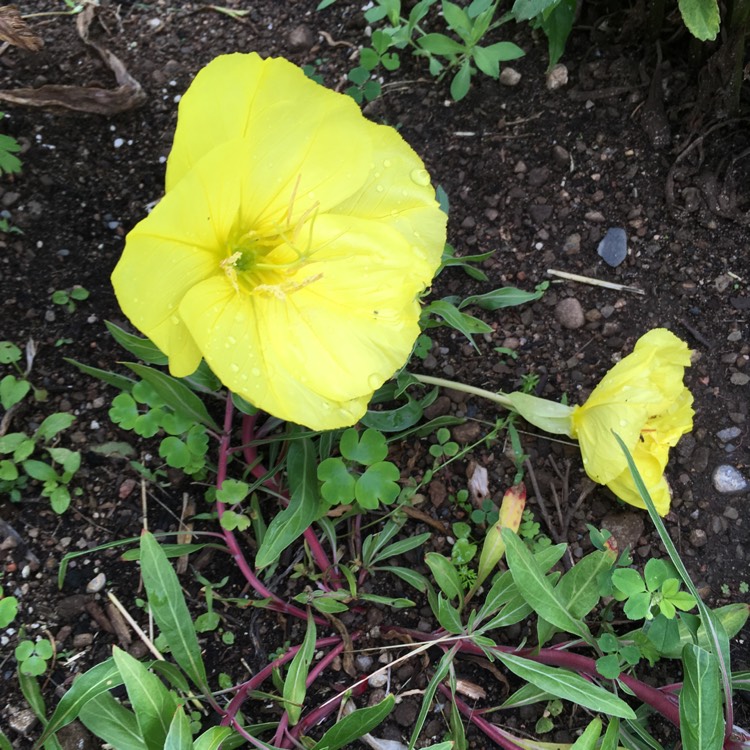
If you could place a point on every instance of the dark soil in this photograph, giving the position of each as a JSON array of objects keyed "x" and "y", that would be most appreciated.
[{"x": 535, "y": 175}]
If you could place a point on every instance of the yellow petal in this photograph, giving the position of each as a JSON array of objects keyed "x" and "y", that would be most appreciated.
[
  {"x": 603, "y": 458},
  {"x": 290, "y": 121},
  {"x": 650, "y": 459},
  {"x": 397, "y": 191}
]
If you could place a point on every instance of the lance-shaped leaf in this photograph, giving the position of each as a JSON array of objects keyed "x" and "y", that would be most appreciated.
[{"x": 294, "y": 684}]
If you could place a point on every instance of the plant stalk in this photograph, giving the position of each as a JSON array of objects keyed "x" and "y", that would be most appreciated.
[{"x": 498, "y": 398}]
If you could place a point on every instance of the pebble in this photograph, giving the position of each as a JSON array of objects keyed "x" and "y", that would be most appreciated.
[
  {"x": 569, "y": 313},
  {"x": 560, "y": 156},
  {"x": 538, "y": 176},
  {"x": 572, "y": 244},
  {"x": 730, "y": 433},
  {"x": 596, "y": 216},
  {"x": 22, "y": 721},
  {"x": 467, "y": 432},
  {"x": 510, "y": 77},
  {"x": 557, "y": 77},
  {"x": 626, "y": 528},
  {"x": 540, "y": 212},
  {"x": 301, "y": 38},
  {"x": 363, "y": 662},
  {"x": 739, "y": 378},
  {"x": 728, "y": 480},
  {"x": 613, "y": 248},
  {"x": 406, "y": 713},
  {"x": 96, "y": 584},
  {"x": 731, "y": 513},
  {"x": 377, "y": 680},
  {"x": 83, "y": 640},
  {"x": 698, "y": 537}
]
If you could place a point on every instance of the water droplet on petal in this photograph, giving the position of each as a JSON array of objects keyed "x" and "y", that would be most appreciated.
[
  {"x": 175, "y": 320},
  {"x": 379, "y": 188},
  {"x": 374, "y": 381},
  {"x": 386, "y": 163},
  {"x": 419, "y": 252},
  {"x": 234, "y": 367},
  {"x": 623, "y": 423},
  {"x": 420, "y": 177},
  {"x": 239, "y": 318},
  {"x": 255, "y": 372},
  {"x": 232, "y": 340}
]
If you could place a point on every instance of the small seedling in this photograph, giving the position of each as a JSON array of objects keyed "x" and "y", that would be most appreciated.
[
  {"x": 67, "y": 298},
  {"x": 445, "y": 447},
  {"x": 8, "y": 609},
  {"x": 33, "y": 657}
]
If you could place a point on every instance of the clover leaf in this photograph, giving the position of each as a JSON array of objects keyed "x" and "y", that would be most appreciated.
[
  {"x": 378, "y": 485},
  {"x": 338, "y": 483},
  {"x": 366, "y": 449}
]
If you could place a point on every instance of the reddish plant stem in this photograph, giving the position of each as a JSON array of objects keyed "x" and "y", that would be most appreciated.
[
  {"x": 255, "y": 682},
  {"x": 277, "y": 603},
  {"x": 664, "y": 703},
  {"x": 494, "y": 733},
  {"x": 258, "y": 471},
  {"x": 322, "y": 712}
]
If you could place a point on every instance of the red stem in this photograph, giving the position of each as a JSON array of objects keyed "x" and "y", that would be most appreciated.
[
  {"x": 277, "y": 602},
  {"x": 258, "y": 679},
  {"x": 493, "y": 732},
  {"x": 258, "y": 470}
]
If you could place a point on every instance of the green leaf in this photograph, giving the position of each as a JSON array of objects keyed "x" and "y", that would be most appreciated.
[
  {"x": 394, "y": 420},
  {"x": 120, "y": 382},
  {"x": 628, "y": 583},
  {"x": 13, "y": 391},
  {"x": 212, "y": 738},
  {"x": 414, "y": 579},
  {"x": 304, "y": 503},
  {"x": 366, "y": 449},
  {"x": 453, "y": 317},
  {"x": 457, "y": 18},
  {"x": 609, "y": 741},
  {"x": 445, "y": 575},
  {"x": 508, "y": 296},
  {"x": 537, "y": 590},
  {"x": 109, "y": 721},
  {"x": 525, "y": 10},
  {"x": 169, "y": 609},
  {"x": 579, "y": 587},
  {"x": 701, "y": 17},
  {"x": 294, "y": 684},
  {"x": 354, "y": 725},
  {"x": 547, "y": 415},
  {"x": 89, "y": 685},
  {"x": 174, "y": 452},
  {"x": 338, "y": 483},
  {"x": 40, "y": 471},
  {"x": 701, "y": 719},
  {"x": 379, "y": 484},
  {"x": 440, "y": 44},
  {"x": 179, "y": 737},
  {"x": 441, "y": 671},
  {"x": 459, "y": 88},
  {"x": 589, "y": 737},
  {"x": 526, "y": 696},
  {"x": 175, "y": 394},
  {"x": 139, "y": 347},
  {"x": 449, "y": 617},
  {"x": 557, "y": 25},
  {"x": 9, "y": 352},
  {"x": 152, "y": 703},
  {"x": 566, "y": 685}
]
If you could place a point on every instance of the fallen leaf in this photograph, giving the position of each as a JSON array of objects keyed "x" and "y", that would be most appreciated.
[{"x": 15, "y": 31}]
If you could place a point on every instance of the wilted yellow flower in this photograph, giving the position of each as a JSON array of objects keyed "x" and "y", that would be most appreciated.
[
  {"x": 644, "y": 400},
  {"x": 290, "y": 248}
]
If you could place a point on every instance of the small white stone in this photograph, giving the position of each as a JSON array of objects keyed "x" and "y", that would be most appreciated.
[
  {"x": 96, "y": 584},
  {"x": 510, "y": 77},
  {"x": 119, "y": 142},
  {"x": 729, "y": 480},
  {"x": 557, "y": 77},
  {"x": 377, "y": 680}
]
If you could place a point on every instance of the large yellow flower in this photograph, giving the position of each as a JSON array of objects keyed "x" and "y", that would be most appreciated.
[
  {"x": 644, "y": 400},
  {"x": 290, "y": 248}
]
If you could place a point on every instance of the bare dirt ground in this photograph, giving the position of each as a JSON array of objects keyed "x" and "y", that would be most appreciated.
[{"x": 537, "y": 176}]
